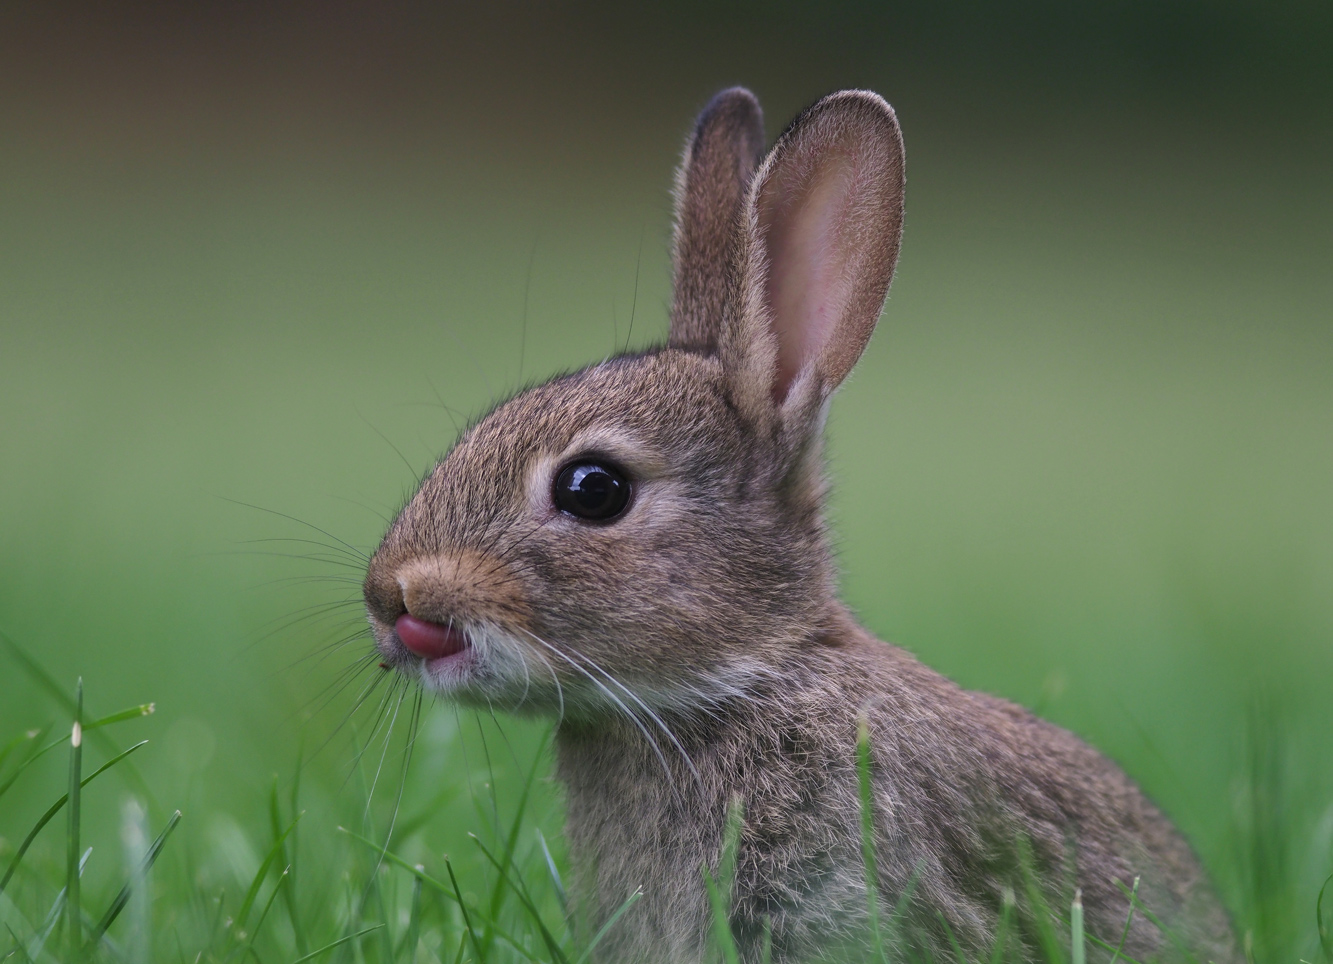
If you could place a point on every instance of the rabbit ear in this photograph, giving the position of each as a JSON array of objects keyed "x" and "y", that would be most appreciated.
[
  {"x": 822, "y": 225},
  {"x": 720, "y": 157}
]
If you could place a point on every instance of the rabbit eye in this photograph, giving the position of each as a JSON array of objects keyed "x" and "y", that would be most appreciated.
[{"x": 592, "y": 490}]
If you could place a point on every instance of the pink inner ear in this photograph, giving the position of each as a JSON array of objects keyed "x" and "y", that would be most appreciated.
[{"x": 805, "y": 226}]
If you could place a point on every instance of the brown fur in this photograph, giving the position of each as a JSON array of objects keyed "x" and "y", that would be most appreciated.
[{"x": 695, "y": 649}]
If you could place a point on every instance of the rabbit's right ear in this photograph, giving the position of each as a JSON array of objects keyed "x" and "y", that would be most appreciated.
[
  {"x": 819, "y": 241},
  {"x": 720, "y": 157}
]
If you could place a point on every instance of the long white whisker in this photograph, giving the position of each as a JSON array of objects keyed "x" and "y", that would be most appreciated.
[
  {"x": 559, "y": 690},
  {"x": 527, "y": 682},
  {"x": 380, "y": 713},
  {"x": 646, "y": 708},
  {"x": 490, "y": 772},
  {"x": 388, "y": 734},
  {"x": 616, "y": 700},
  {"x": 414, "y": 726}
]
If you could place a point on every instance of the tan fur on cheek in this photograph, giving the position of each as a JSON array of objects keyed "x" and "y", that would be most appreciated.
[{"x": 464, "y": 586}]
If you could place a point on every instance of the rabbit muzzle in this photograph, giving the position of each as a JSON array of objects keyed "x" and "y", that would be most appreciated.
[{"x": 434, "y": 612}]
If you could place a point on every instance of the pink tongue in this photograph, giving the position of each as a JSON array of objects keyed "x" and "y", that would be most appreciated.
[{"x": 429, "y": 640}]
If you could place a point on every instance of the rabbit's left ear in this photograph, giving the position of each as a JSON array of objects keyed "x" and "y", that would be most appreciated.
[
  {"x": 819, "y": 241},
  {"x": 720, "y": 157}
]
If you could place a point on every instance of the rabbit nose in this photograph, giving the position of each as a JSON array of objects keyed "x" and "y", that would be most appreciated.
[{"x": 429, "y": 640}]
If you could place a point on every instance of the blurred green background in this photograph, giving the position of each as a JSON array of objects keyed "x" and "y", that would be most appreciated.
[{"x": 272, "y": 255}]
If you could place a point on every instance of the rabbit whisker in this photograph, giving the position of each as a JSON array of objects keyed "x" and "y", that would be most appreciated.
[
  {"x": 337, "y": 550},
  {"x": 453, "y": 414},
  {"x": 286, "y": 581},
  {"x": 318, "y": 656},
  {"x": 364, "y": 557},
  {"x": 647, "y": 735},
  {"x": 646, "y": 708},
  {"x": 309, "y": 613},
  {"x": 344, "y": 678},
  {"x": 388, "y": 735},
  {"x": 559, "y": 690},
  {"x": 326, "y": 559},
  {"x": 524, "y": 538},
  {"x": 375, "y": 682},
  {"x": 396, "y": 687},
  {"x": 413, "y": 731}
]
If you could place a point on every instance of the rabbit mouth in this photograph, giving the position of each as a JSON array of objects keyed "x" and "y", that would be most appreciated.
[
  {"x": 445, "y": 651},
  {"x": 430, "y": 641},
  {"x": 472, "y": 662}
]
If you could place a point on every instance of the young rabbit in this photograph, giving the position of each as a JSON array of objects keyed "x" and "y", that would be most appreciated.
[{"x": 640, "y": 548}]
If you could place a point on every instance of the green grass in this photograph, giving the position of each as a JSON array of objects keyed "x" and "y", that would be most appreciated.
[
  {"x": 368, "y": 902},
  {"x": 237, "y": 899}
]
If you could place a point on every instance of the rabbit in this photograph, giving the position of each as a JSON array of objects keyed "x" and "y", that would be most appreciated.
[{"x": 640, "y": 549}]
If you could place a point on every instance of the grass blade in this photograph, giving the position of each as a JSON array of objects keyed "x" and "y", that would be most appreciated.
[
  {"x": 338, "y": 943},
  {"x": 288, "y": 858},
  {"x": 1053, "y": 951},
  {"x": 53, "y": 917},
  {"x": 289, "y": 895},
  {"x": 57, "y": 692},
  {"x": 610, "y": 922},
  {"x": 548, "y": 938},
  {"x": 54, "y": 809},
  {"x": 18, "y": 947},
  {"x": 731, "y": 844},
  {"x": 123, "y": 897},
  {"x": 133, "y": 713},
  {"x": 1002, "y": 929},
  {"x": 409, "y": 954},
  {"x": 263, "y": 915},
  {"x": 510, "y": 844},
  {"x": 414, "y": 869},
  {"x": 953, "y": 941},
  {"x": 29, "y": 761},
  {"x": 555, "y": 874},
  {"x": 73, "y": 917},
  {"x": 15, "y": 743},
  {"x": 726, "y": 940},
  {"x": 376, "y": 889},
  {"x": 1325, "y": 925},
  {"x": 269, "y": 860},
  {"x": 1129, "y": 919},
  {"x": 467, "y": 920},
  {"x": 448, "y": 890},
  {"x": 1098, "y": 942},
  {"x": 719, "y": 888},
  {"x": 1078, "y": 953},
  {"x": 1157, "y": 922}
]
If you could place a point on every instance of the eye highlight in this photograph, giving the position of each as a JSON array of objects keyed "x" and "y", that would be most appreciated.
[{"x": 592, "y": 489}]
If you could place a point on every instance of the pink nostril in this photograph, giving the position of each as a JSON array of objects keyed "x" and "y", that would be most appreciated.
[{"x": 429, "y": 640}]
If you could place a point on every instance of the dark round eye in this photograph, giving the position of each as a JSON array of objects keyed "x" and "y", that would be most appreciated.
[{"x": 592, "y": 490}]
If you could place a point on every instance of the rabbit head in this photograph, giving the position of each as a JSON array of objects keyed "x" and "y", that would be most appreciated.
[{"x": 649, "y": 529}]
